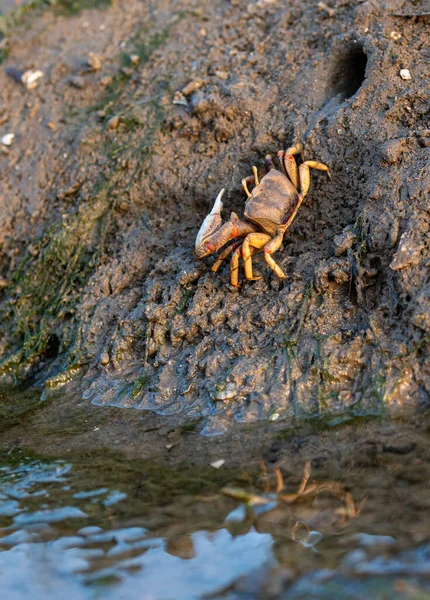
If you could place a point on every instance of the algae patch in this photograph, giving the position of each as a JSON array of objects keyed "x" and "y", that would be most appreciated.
[{"x": 40, "y": 311}]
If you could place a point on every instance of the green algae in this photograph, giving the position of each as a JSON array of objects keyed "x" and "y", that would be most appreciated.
[{"x": 40, "y": 312}]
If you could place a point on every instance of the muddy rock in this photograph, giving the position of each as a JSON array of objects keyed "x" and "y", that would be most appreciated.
[
  {"x": 344, "y": 241},
  {"x": 110, "y": 270}
]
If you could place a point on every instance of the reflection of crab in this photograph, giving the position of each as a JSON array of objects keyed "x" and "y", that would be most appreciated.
[
  {"x": 298, "y": 508},
  {"x": 269, "y": 211}
]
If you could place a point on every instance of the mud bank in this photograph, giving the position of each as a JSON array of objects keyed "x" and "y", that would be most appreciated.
[{"x": 112, "y": 170}]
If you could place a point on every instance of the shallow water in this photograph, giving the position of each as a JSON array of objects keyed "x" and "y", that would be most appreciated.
[{"x": 67, "y": 528}]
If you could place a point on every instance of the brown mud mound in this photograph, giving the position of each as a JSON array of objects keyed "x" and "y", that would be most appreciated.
[{"x": 115, "y": 164}]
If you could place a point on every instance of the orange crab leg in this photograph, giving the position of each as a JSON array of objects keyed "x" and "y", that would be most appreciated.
[
  {"x": 256, "y": 241},
  {"x": 270, "y": 248},
  {"x": 224, "y": 254},
  {"x": 292, "y": 170},
  {"x": 234, "y": 264},
  {"x": 234, "y": 268},
  {"x": 245, "y": 187},
  {"x": 305, "y": 175},
  {"x": 296, "y": 149},
  {"x": 280, "y": 156}
]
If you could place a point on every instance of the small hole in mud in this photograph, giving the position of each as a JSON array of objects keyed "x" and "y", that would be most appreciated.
[
  {"x": 348, "y": 71},
  {"x": 52, "y": 346}
]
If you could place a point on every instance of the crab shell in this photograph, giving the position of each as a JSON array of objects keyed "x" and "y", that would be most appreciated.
[{"x": 272, "y": 202}]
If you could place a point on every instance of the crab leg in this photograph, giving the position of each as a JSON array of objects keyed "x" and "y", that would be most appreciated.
[
  {"x": 245, "y": 187},
  {"x": 270, "y": 248},
  {"x": 251, "y": 242},
  {"x": 221, "y": 258},
  {"x": 234, "y": 268},
  {"x": 296, "y": 149},
  {"x": 305, "y": 175},
  {"x": 281, "y": 155},
  {"x": 292, "y": 170},
  {"x": 290, "y": 164},
  {"x": 254, "y": 170},
  {"x": 234, "y": 264}
]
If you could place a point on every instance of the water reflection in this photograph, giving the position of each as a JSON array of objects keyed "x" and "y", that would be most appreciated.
[{"x": 278, "y": 543}]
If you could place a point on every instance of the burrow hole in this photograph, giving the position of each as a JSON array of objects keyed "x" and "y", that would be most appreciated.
[
  {"x": 52, "y": 347},
  {"x": 347, "y": 72}
]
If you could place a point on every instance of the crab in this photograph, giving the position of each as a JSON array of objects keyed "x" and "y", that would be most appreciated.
[{"x": 269, "y": 210}]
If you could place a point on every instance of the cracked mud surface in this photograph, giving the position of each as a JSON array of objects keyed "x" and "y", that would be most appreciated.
[{"x": 112, "y": 171}]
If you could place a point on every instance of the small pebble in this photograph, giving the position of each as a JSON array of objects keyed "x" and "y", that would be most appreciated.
[
  {"x": 7, "y": 139},
  {"x": 225, "y": 392},
  {"x": 113, "y": 122},
  {"x": 405, "y": 74},
  {"x": 94, "y": 61},
  {"x": 105, "y": 359},
  {"x": 192, "y": 87},
  {"x": 179, "y": 98},
  {"x": 105, "y": 81},
  {"x": 221, "y": 74}
]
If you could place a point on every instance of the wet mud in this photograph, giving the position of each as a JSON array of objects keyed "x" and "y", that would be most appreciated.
[{"x": 117, "y": 159}]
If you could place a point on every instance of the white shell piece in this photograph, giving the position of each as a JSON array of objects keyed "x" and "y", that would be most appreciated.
[
  {"x": 7, "y": 139},
  {"x": 29, "y": 78},
  {"x": 405, "y": 74}
]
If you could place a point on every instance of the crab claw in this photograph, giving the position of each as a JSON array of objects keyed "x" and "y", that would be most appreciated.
[{"x": 209, "y": 226}]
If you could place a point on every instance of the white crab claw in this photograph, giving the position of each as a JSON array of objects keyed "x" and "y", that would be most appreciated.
[{"x": 211, "y": 224}]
